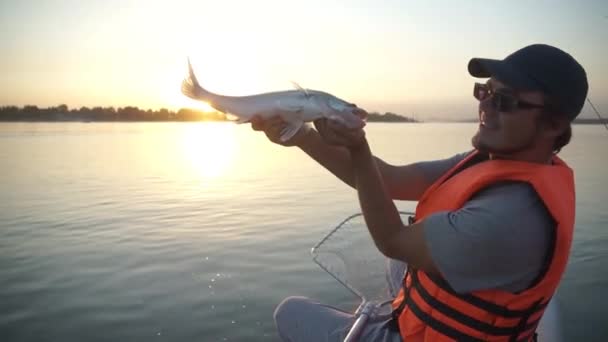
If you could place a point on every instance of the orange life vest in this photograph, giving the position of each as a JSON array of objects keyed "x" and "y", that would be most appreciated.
[{"x": 428, "y": 309}]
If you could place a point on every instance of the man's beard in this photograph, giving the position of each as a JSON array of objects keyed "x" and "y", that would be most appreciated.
[{"x": 478, "y": 144}]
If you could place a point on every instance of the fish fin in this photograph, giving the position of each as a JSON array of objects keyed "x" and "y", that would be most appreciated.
[
  {"x": 191, "y": 74},
  {"x": 242, "y": 121},
  {"x": 291, "y": 129},
  {"x": 299, "y": 87},
  {"x": 235, "y": 118}
]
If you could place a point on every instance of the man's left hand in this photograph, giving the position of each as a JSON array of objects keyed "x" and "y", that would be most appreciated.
[{"x": 336, "y": 133}]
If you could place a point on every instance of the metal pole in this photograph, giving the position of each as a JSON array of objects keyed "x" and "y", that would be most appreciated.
[{"x": 357, "y": 328}]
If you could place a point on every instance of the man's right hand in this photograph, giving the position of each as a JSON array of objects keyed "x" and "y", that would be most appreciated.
[
  {"x": 272, "y": 128},
  {"x": 335, "y": 133}
]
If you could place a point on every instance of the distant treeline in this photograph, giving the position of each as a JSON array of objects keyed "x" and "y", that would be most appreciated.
[
  {"x": 388, "y": 117},
  {"x": 63, "y": 113},
  {"x": 584, "y": 121},
  {"x": 129, "y": 113},
  {"x": 590, "y": 121}
]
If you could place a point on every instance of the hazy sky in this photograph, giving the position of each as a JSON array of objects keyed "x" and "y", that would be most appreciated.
[{"x": 404, "y": 56}]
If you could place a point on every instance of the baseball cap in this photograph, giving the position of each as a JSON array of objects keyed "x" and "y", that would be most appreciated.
[{"x": 539, "y": 67}]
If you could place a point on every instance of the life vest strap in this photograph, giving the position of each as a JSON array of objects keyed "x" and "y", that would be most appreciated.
[
  {"x": 406, "y": 294},
  {"x": 469, "y": 321},
  {"x": 523, "y": 325},
  {"x": 481, "y": 303},
  {"x": 437, "y": 325},
  {"x": 447, "y": 330}
]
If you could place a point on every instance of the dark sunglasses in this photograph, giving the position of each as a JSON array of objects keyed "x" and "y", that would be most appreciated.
[{"x": 501, "y": 101}]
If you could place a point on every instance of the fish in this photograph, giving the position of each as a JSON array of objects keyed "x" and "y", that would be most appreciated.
[{"x": 294, "y": 106}]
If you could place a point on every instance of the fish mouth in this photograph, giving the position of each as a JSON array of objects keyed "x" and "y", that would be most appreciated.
[{"x": 362, "y": 114}]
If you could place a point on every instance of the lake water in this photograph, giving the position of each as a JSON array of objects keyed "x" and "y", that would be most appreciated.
[{"x": 196, "y": 231}]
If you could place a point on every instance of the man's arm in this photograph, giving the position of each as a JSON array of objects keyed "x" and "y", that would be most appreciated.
[
  {"x": 406, "y": 182},
  {"x": 392, "y": 238}
]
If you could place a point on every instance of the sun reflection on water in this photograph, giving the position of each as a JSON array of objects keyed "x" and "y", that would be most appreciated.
[{"x": 209, "y": 147}]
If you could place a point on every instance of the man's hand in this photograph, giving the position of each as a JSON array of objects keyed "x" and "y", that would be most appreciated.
[
  {"x": 336, "y": 133},
  {"x": 272, "y": 128}
]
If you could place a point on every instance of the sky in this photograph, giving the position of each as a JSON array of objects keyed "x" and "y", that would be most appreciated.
[{"x": 408, "y": 57}]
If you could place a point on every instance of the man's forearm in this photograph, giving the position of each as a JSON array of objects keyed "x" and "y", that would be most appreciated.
[
  {"x": 336, "y": 159},
  {"x": 379, "y": 211},
  {"x": 403, "y": 182}
]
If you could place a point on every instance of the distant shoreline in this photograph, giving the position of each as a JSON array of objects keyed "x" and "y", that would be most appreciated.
[
  {"x": 582, "y": 122},
  {"x": 575, "y": 122},
  {"x": 62, "y": 113}
]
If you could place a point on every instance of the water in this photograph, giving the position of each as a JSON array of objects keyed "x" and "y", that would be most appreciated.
[{"x": 196, "y": 231}]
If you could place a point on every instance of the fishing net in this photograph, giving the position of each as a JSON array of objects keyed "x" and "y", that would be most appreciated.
[{"x": 349, "y": 255}]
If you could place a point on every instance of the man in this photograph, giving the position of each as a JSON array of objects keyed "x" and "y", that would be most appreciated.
[{"x": 493, "y": 227}]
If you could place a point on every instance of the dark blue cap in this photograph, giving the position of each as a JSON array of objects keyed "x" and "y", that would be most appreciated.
[{"x": 542, "y": 68}]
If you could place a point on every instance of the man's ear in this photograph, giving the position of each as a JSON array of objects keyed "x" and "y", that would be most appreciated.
[{"x": 554, "y": 125}]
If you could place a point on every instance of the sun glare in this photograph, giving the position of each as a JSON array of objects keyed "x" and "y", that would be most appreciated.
[
  {"x": 179, "y": 100},
  {"x": 205, "y": 107},
  {"x": 209, "y": 147}
]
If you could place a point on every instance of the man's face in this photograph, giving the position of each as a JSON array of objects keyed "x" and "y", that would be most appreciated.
[{"x": 507, "y": 129}]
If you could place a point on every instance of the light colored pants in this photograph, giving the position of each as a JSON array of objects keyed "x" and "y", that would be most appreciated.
[{"x": 302, "y": 319}]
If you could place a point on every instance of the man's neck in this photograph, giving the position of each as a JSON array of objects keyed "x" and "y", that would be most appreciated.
[{"x": 530, "y": 156}]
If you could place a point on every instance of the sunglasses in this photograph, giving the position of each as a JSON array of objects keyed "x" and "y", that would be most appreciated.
[{"x": 502, "y": 101}]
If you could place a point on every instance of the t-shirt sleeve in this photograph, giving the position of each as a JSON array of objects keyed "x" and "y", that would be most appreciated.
[
  {"x": 498, "y": 239},
  {"x": 433, "y": 169}
]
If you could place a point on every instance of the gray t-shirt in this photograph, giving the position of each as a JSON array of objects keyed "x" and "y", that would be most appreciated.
[{"x": 499, "y": 239}]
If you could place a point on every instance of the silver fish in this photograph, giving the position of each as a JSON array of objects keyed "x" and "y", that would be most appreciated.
[{"x": 295, "y": 106}]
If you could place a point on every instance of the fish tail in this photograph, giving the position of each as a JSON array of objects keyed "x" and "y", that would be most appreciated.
[{"x": 190, "y": 85}]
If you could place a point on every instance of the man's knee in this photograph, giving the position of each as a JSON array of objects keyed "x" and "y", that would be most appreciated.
[{"x": 303, "y": 319}]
